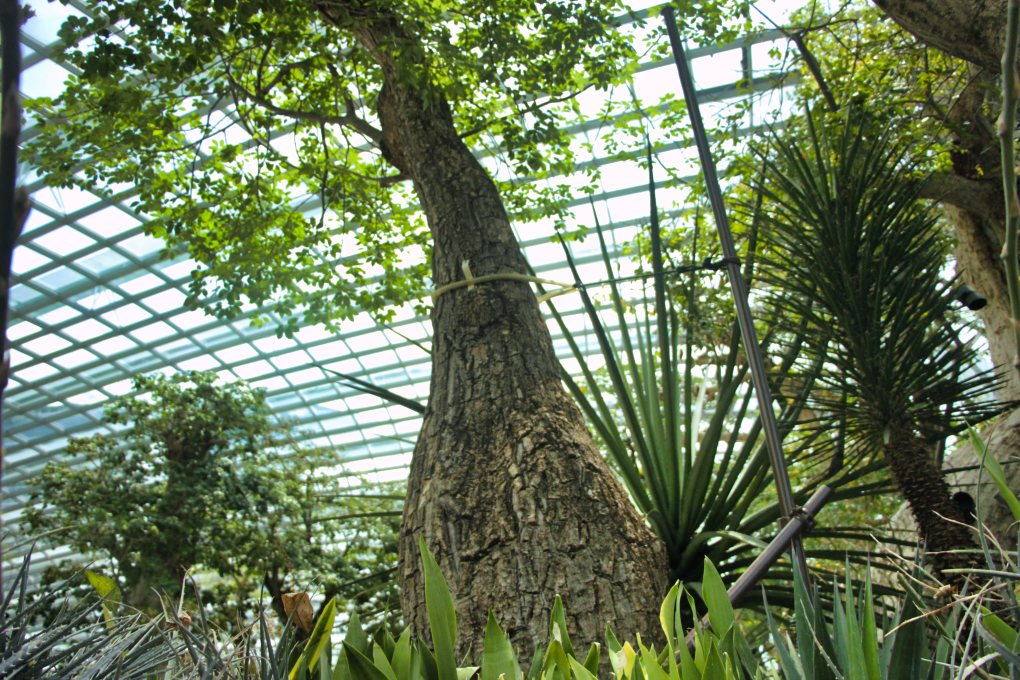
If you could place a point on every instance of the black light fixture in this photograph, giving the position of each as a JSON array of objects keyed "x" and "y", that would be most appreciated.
[{"x": 969, "y": 298}]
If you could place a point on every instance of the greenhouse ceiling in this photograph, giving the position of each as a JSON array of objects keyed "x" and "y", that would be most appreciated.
[{"x": 96, "y": 300}]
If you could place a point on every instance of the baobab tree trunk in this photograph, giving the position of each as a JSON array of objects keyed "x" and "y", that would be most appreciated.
[{"x": 506, "y": 485}]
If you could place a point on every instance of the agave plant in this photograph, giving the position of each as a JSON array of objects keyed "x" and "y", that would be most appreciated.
[
  {"x": 858, "y": 260},
  {"x": 86, "y": 640}
]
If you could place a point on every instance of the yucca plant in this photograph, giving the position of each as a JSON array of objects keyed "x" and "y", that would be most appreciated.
[
  {"x": 917, "y": 635},
  {"x": 854, "y": 257},
  {"x": 696, "y": 465}
]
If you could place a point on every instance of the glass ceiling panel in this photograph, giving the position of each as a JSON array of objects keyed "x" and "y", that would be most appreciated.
[{"x": 95, "y": 300}]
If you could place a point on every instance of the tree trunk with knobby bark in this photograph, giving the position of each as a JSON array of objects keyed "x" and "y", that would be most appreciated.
[
  {"x": 948, "y": 538},
  {"x": 506, "y": 485}
]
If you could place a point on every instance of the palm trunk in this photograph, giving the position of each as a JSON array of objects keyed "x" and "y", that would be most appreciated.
[
  {"x": 948, "y": 540},
  {"x": 506, "y": 485}
]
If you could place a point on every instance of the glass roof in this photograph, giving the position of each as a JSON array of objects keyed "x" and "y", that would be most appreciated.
[{"x": 96, "y": 301}]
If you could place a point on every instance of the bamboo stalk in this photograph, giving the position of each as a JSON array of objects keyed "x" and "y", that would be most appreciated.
[{"x": 1005, "y": 128}]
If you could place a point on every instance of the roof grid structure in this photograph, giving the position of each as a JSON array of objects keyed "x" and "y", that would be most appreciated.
[{"x": 95, "y": 300}]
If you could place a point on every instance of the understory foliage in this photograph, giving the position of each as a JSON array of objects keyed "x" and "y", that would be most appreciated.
[
  {"x": 854, "y": 636},
  {"x": 200, "y": 478}
]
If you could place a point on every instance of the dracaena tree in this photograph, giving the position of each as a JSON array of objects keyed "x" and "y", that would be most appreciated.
[
  {"x": 382, "y": 103},
  {"x": 859, "y": 259}
]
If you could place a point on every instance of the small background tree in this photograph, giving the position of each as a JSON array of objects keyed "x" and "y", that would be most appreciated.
[{"x": 202, "y": 479}]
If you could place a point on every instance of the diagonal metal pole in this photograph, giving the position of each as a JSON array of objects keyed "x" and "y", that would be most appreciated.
[{"x": 739, "y": 288}]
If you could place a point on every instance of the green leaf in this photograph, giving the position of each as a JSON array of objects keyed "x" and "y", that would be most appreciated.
[
  {"x": 869, "y": 631},
  {"x": 108, "y": 591},
  {"x": 556, "y": 660},
  {"x": 580, "y": 671},
  {"x": 442, "y": 615},
  {"x": 104, "y": 585},
  {"x": 995, "y": 471},
  {"x": 558, "y": 626},
  {"x": 904, "y": 653},
  {"x": 591, "y": 661},
  {"x": 382, "y": 663},
  {"x": 789, "y": 664},
  {"x": 356, "y": 636},
  {"x": 498, "y": 658},
  {"x": 667, "y": 614},
  {"x": 317, "y": 641},
  {"x": 361, "y": 666},
  {"x": 720, "y": 610},
  {"x": 401, "y": 659}
]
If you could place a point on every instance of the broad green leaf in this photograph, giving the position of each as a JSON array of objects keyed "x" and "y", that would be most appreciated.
[
  {"x": 649, "y": 660},
  {"x": 104, "y": 585},
  {"x": 556, "y": 660},
  {"x": 498, "y": 658},
  {"x": 108, "y": 591},
  {"x": 580, "y": 671},
  {"x": 558, "y": 626},
  {"x": 591, "y": 660},
  {"x": 401, "y": 660},
  {"x": 1002, "y": 631},
  {"x": 715, "y": 667},
  {"x": 688, "y": 668},
  {"x": 720, "y": 611},
  {"x": 442, "y": 616},
  {"x": 382, "y": 663},
  {"x": 361, "y": 666},
  {"x": 356, "y": 636},
  {"x": 667, "y": 613}
]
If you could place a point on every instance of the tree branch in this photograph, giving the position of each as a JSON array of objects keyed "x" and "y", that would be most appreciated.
[
  {"x": 980, "y": 197},
  {"x": 348, "y": 119}
]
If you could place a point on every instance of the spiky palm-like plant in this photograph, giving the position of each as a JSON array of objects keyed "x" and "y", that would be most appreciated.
[{"x": 857, "y": 257}]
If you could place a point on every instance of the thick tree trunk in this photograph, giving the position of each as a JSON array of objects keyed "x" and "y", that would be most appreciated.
[
  {"x": 506, "y": 484},
  {"x": 973, "y": 30},
  {"x": 948, "y": 540},
  {"x": 978, "y": 244}
]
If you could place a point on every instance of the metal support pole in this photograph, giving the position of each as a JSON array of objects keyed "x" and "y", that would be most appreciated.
[
  {"x": 739, "y": 289},
  {"x": 791, "y": 531}
]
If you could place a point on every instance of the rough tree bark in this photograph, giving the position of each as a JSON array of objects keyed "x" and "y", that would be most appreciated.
[
  {"x": 506, "y": 484},
  {"x": 973, "y": 30},
  {"x": 922, "y": 484}
]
